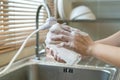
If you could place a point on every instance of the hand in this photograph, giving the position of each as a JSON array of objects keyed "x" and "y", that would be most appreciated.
[
  {"x": 52, "y": 55},
  {"x": 74, "y": 39}
]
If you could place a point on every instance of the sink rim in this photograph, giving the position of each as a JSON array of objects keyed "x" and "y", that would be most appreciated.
[{"x": 27, "y": 62}]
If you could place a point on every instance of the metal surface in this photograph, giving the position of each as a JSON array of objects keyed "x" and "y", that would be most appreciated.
[
  {"x": 44, "y": 4},
  {"x": 48, "y": 71}
]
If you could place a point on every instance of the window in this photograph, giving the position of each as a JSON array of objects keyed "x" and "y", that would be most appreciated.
[{"x": 17, "y": 21}]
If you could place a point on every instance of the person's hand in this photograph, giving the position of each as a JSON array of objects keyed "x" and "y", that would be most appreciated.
[
  {"x": 74, "y": 39},
  {"x": 52, "y": 55}
]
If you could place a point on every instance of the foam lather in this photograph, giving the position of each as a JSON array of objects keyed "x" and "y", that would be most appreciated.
[{"x": 69, "y": 56}]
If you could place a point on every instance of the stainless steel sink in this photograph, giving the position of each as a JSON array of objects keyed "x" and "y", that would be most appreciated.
[{"x": 40, "y": 71}]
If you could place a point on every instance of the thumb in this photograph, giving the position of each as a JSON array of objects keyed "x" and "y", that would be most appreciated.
[{"x": 64, "y": 44}]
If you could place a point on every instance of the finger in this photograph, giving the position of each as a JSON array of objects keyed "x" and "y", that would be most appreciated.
[
  {"x": 60, "y": 60},
  {"x": 83, "y": 33},
  {"x": 63, "y": 38},
  {"x": 49, "y": 54},
  {"x": 66, "y": 27},
  {"x": 85, "y": 39},
  {"x": 80, "y": 38},
  {"x": 61, "y": 32},
  {"x": 48, "y": 51},
  {"x": 55, "y": 56},
  {"x": 75, "y": 29},
  {"x": 64, "y": 44},
  {"x": 52, "y": 53}
]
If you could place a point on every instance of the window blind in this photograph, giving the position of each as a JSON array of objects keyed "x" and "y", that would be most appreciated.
[{"x": 17, "y": 21}]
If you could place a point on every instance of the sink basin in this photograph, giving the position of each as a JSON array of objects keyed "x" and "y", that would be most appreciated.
[{"x": 62, "y": 72}]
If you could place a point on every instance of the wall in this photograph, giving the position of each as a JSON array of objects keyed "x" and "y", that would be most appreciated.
[
  {"x": 103, "y": 9},
  {"x": 5, "y": 58},
  {"x": 97, "y": 29},
  {"x": 107, "y": 13}
]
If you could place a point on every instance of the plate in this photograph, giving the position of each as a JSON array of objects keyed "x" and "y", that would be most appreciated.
[
  {"x": 60, "y": 9},
  {"x": 64, "y": 8}
]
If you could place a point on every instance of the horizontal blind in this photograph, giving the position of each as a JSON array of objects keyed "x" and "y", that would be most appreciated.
[{"x": 17, "y": 21}]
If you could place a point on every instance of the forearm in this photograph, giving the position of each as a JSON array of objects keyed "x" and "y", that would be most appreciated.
[
  {"x": 113, "y": 40},
  {"x": 109, "y": 54}
]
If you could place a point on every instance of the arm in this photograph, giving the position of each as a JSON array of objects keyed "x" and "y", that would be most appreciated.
[
  {"x": 113, "y": 40},
  {"x": 103, "y": 49},
  {"x": 106, "y": 53}
]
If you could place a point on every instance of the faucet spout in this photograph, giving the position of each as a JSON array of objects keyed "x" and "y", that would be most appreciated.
[{"x": 49, "y": 22}]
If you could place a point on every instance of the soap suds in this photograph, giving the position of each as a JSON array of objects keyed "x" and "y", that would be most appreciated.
[{"x": 69, "y": 56}]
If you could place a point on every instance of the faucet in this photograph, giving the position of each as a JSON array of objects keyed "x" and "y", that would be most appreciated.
[{"x": 49, "y": 22}]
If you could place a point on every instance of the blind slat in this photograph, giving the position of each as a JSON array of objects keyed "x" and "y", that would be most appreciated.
[
  {"x": 42, "y": 37},
  {"x": 26, "y": 7},
  {"x": 20, "y": 14},
  {"x": 29, "y": 18},
  {"x": 15, "y": 32},
  {"x": 16, "y": 14},
  {"x": 22, "y": 3},
  {"x": 17, "y": 21},
  {"x": 16, "y": 47},
  {"x": 16, "y": 43},
  {"x": 11, "y": 23},
  {"x": 13, "y": 27},
  {"x": 7, "y": 10},
  {"x": 11, "y": 40},
  {"x": 6, "y": 28}
]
